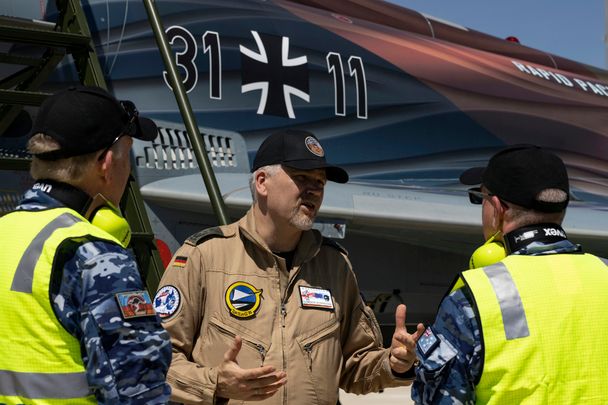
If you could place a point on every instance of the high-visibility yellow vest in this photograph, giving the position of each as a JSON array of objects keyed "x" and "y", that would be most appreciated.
[
  {"x": 40, "y": 362},
  {"x": 544, "y": 325}
]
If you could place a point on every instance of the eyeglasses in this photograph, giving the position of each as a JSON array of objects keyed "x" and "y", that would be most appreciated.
[
  {"x": 105, "y": 151},
  {"x": 476, "y": 196},
  {"x": 132, "y": 117},
  {"x": 130, "y": 128}
]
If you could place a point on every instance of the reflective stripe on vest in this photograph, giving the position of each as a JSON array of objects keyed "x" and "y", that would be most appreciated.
[
  {"x": 513, "y": 314},
  {"x": 24, "y": 275},
  {"x": 43, "y": 385},
  {"x": 40, "y": 362}
]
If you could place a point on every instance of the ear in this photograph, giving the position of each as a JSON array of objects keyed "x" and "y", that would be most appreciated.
[
  {"x": 499, "y": 210},
  {"x": 261, "y": 183},
  {"x": 104, "y": 165}
]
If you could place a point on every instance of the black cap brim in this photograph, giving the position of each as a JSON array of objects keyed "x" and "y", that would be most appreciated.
[
  {"x": 147, "y": 130},
  {"x": 472, "y": 176},
  {"x": 333, "y": 173}
]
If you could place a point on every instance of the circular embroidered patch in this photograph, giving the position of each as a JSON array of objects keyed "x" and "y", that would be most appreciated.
[
  {"x": 243, "y": 299},
  {"x": 166, "y": 301},
  {"x": 314, "y": 146}
]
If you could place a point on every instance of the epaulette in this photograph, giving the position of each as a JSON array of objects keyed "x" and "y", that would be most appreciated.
[
  {"x": 205, "y": 234},
  {"x": 335, "y": 245}
]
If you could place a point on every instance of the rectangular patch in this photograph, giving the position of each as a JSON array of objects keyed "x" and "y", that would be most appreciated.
[
  {"x": 135, "y": 304},
  {"x": 180, "y": 261},
  {"x": 427, "y": 342},
  {"x": 312, "y": 297}
]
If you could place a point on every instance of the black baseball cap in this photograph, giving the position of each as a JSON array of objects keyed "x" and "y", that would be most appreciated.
[
  {"x": 85, "y": 119},
  {"x": 518, "y": 173},
  {"x": 297, "y": 149}
]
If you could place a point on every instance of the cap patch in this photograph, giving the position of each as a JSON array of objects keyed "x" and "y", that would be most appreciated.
[
  {"x": 243, "y": 299},
  {"x": 135, "y": 304},
  {"x": 180, "y": 261},
  {"x": 166, "y": 301},
  {"x": 314, "y": 146}
]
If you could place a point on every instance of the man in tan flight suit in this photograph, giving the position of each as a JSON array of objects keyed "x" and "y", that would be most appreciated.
[{"x": 252, "y": 303}]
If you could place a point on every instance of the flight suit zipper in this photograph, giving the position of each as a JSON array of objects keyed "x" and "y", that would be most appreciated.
[
  {"x": 257, "y": 346},
  {"x": 283, "y": 314},
  {"x": 284, "y": 296},
  {"x": 309, "y": 343},
  {"x": 308, "y": 349}
]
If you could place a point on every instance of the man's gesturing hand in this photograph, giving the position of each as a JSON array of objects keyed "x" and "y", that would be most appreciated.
[
  {"x": 403, "y": 345},
  {"x": 253, "y": 384}
]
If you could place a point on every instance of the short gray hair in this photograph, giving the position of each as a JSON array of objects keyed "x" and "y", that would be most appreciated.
[
  {"x": 69, "y": 170},
  {"x": 270, "y": 170},
  {"x": 525, "y": 216}
]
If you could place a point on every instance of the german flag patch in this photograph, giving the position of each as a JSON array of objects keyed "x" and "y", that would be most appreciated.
[{"x": 180, "y": 261}]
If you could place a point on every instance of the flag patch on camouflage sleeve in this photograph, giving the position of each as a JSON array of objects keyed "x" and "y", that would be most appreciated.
[
  {"x": 427, "y": 342},
  {"x": 180, "y": 261},
  {"x": 135, "y": 304}
]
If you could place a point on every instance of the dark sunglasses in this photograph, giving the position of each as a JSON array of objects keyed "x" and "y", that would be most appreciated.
[
  {"x": 476, "y": 196},
  {"x": 130, "y": 128}
]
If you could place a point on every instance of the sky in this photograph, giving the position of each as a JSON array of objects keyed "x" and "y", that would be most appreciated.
[{"x": 568, "y": 28}]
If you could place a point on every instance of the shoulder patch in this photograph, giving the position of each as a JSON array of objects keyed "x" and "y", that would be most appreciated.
[
  {"x": 205, "y": 234},
  {"x": 335, "y": 245},
  {"x": 166, "y": 301},
  {"x": 427, "y": 342},
  {"x": 135, "y": 304}
]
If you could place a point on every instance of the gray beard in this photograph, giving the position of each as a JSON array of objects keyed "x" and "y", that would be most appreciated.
[{"x": 301, "y": 221}]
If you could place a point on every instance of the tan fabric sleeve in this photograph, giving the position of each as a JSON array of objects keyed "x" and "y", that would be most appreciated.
[
  {"x": 191, "y": 383},
  {"x": 366, "y": 366}
]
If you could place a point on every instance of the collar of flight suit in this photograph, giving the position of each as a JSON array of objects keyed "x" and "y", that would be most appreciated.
[{"x": 307, "y": 248}]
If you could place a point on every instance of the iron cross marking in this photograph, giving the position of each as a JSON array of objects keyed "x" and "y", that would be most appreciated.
[{"x": 277, "y": 76}]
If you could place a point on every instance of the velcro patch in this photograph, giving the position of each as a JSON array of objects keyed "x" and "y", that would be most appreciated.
[
  {"x": 135, "y": 304},
  {"x": 427, "y": 342},
  {"x": 312, "y": 297},
  {"x": 180, "y": 261},
  {"x": 166, "y": 301}
]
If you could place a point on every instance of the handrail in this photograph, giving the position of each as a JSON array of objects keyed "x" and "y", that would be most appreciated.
[{"x": 217, "y": 202}]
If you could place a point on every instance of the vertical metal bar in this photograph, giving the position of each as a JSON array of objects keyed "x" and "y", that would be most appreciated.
[
  {"x": 186, "y": 110},
  {"x": 87, "y": 63}
]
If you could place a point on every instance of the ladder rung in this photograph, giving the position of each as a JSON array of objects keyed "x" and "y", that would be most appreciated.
[
  {"x": 43, "y": 37},
  {"x": 19, "y": 60},
  {"x": 22, "y": 97},
  {"x": 15, "y": 164},
  {"x": 26, "y": 23}
]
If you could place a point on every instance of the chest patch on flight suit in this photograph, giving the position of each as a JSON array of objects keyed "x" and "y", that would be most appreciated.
[
  {"x": 427, "y": 342},
  {"x": 135, "y": 304},
  {"x": 166, "y": 301},
  {"x": 243, "y": 299},
  {"x": 312, "y": 297}
]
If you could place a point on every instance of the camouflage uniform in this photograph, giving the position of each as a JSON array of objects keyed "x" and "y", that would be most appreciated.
[
  {"x": 126, "y": 361},
  {"x": 450, "y": 351}
]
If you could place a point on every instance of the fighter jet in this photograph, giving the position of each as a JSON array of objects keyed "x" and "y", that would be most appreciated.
[{"x": 403, "y": 101}]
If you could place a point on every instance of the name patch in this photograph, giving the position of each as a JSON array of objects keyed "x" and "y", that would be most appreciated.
[{"x": 312, "y": 297}]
